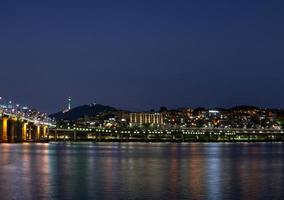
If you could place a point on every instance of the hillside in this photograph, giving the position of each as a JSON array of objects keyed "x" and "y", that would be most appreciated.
[{"x": 81, "y": 111}]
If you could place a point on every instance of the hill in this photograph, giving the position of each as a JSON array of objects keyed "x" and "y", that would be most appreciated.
[{"x": 81, "y": 111}]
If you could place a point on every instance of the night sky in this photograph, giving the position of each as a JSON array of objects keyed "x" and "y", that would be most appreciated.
[{"x": 140, "y": 55}]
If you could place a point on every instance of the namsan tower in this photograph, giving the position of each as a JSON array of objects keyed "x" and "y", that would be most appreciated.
[{"x": 69, "y": 103}]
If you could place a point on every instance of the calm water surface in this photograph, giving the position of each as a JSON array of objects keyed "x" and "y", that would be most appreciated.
[{"x": 141, "y": 171}]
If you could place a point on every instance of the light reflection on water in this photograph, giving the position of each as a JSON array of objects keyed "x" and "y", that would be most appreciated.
[{"x": 141, "y": 171}]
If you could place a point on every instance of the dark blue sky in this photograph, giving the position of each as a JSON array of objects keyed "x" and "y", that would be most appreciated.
[{"x": 142, "y": 54}]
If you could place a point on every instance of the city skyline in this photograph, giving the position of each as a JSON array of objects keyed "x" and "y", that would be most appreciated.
[
  {"x": 68, "y": 105},
  {"x": 142, "y": 55}
]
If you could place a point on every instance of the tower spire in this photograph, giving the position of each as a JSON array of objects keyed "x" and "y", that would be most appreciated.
[{"x": 69, "y": 103}]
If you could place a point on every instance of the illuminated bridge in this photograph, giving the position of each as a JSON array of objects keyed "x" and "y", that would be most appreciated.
[
  {"x": 21, "y": 124},
  {"x": 170, "y": 135}
]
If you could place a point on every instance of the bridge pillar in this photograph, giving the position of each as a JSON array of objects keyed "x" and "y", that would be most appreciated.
[
  {"x": 45, "y": 133},
  {"x": 29, "y": 132},
  {"x": 18, "y": 135},
  {"x": 12, "y": 130},
  {"x": 24, "y": 132},
  {"x": 75, "y": 135},
  {"x": 4, "y": 130},
  {"x": 37, "y": 136},
  {"x": 55, "y": 135},
  {"x": 34, "y": 133}
]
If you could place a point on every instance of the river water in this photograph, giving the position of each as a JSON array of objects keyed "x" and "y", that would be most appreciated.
[{"x": 142, "y": 171}]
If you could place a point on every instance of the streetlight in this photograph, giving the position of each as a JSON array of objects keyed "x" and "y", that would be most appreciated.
[
  {"x": 17, "y": 107},
  {"x": 10, "y": 106}
]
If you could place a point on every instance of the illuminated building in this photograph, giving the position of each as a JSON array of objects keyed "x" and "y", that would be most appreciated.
[{"x": 138, "y": 119}]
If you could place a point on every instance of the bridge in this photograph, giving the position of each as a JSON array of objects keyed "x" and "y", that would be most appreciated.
[
  {"x": 23, "y": 124},
  {"x": 170, "y": 135}
]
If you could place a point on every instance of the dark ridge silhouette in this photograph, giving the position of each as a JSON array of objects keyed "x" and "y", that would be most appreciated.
[
  {"x": 244, "y": 107},
  {"x": 81, "y": 111}
]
